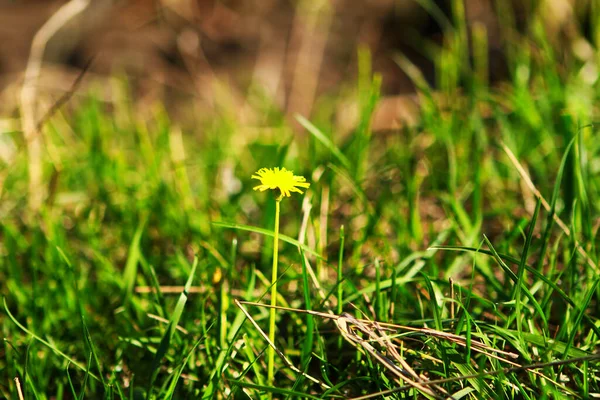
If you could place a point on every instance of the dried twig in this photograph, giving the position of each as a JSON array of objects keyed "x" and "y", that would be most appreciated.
[
  {"x": 170, "y": 289},
  {"x": 348, "y": 326},
  {"x": 459, "y": 340},
  {"x": 372, "y": 332},
  {"x": 531, "y": 368}
]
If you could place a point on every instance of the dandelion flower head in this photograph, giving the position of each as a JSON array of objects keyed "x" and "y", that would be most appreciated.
[{"x": 279, "y": 179}]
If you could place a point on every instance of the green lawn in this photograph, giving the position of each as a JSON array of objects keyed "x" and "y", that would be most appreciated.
[{"x": 436, "y": 231}]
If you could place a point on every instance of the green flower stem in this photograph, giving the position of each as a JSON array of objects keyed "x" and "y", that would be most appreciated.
[{"x": 271, "y": 351}]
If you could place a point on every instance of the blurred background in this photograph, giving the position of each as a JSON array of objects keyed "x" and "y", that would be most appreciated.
[
  {"x": 290, "y": 52},
  {"x": 127, "y": 127}
]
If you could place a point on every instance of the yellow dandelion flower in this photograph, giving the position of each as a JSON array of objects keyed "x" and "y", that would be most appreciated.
[{"x": 279, "y": 179}]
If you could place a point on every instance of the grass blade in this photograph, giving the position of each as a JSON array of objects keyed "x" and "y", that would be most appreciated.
[
  {"x": 521, "y": 271},
  {"x": 320, "y": 136},
  {"x": 130, "y": 272},
  {"x": 46, "y": 343},
  {"x": 170, "y": 331},
  {"x": 268, "y": 233}
]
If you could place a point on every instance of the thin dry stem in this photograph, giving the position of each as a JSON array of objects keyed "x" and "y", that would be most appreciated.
[
  {"x": 374, "y": 331},
  {"x": 323, "y": 218},
  {"x": 32, "y": 134},
  {"x": 306, "y": 207},
  {"x": 272, "y": 345},
  {"x": 546, "y": 205},
  {"x": 19, "y": 391},
  {"x": 348, "y": 325}
]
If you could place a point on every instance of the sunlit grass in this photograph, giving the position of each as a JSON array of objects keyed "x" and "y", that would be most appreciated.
[{"x": 124, "y": 286}]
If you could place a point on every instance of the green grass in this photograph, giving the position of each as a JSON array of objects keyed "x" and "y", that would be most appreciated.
[{"x": 431, "y": 226}]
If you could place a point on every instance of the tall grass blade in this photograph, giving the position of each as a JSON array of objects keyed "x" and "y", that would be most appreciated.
[
  {"x": 520, "y": 283},
  {"x": 165, "y": 342},
  {"x": 325, "y": 141},
  {"x": 268, "y": 233},
  {"x": 130, "y": 272}
]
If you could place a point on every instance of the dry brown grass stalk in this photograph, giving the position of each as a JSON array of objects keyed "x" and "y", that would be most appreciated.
[
  {"x": 31, "y": 130},
  {"x": 525, "y": 176}
]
